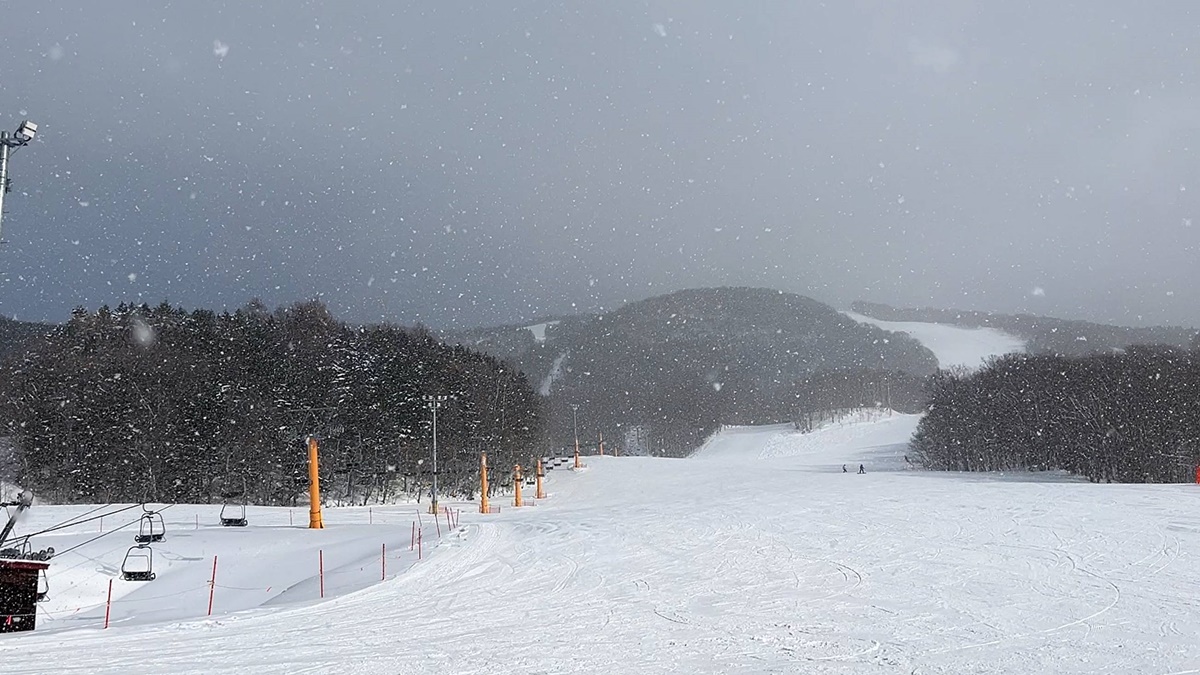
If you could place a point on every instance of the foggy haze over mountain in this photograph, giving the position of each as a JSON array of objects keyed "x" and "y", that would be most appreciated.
[{"x": 476, "y": 163}]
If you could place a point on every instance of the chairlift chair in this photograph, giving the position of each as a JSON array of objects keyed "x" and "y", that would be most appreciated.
[
  {"x": 43, "y": 587},
  {"x": 233, "y": 510},
  {"x": 151, "y": 528},
  {"x": 233, "y": 515},
  {"x": 138, "y": 564}
]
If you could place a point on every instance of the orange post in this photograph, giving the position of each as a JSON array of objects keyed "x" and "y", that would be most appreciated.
[
  {"x": 483, "y": 483},
  {"x": 1198, "y": 474},
  {"x": 314, "y": 488},
  {"x": 577, "y": 464},
  {"x": 541, "y": 494},
  {"x": 517, "y": 486},
  {"x": 601, "y": 443}
]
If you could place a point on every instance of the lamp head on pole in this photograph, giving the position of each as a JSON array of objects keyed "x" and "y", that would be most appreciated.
[{"x": 26, "y": 131}]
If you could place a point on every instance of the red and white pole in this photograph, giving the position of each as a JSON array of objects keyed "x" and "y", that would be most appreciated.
[
  {"x": 212, "y": 585},
  {"x": 108, "y": 604}
]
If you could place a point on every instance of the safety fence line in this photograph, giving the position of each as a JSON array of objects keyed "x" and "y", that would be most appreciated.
[{"x": 450, "y": 516}]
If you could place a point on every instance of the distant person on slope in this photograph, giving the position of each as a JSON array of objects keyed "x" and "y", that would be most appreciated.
[
  {"x": 862, "y": 469},
  {"x": 844, "y": 469}
]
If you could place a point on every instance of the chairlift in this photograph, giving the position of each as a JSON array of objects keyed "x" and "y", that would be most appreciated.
[
  {"x": 138, "y": 564},
  {"x": 233, "y": 510},
  {"x": 233, "y": 515},
  {"x": 43, "y": 587},
  {"x": 151, "y": 528}
]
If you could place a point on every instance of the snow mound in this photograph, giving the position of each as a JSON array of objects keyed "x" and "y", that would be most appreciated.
[{"x": 953, "y": 345}]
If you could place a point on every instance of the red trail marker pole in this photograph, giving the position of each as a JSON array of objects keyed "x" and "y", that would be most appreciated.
[
  {"x": 383, "y": 562},
  {"x": 321, "y": 569},
  {"x": 413, "y": 542},
  {"x": 108, "y": 604},
  {"x": 212, "y": 586},
  {"x": 418, "y": 544}
]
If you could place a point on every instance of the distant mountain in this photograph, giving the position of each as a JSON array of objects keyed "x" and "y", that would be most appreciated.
[
  {"x": 678, "y": 365},
  {"x": 14, "y": 334},
  {"x": 1044, "y": 335}
]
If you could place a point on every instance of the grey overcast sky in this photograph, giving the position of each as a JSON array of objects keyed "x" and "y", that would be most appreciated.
[{"x": 465, "y": 163}]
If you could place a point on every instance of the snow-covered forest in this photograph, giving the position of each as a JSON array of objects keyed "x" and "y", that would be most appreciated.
[
  {"x": 1128, "y": 417},
  {"x": 164, "y": 405}
]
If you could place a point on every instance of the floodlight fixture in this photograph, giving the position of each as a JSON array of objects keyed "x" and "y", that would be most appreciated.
[{"x": 26, "y": 131}]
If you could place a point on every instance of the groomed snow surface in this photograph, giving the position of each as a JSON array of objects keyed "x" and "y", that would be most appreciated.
[{"x": 758, "y": 555}]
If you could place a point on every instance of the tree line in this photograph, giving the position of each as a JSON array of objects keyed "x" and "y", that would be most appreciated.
[
  {"x": 1126, "y": 417},
  {"x": 141, "y": 404}
]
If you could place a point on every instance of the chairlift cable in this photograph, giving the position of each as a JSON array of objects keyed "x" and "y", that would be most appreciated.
[
  {"x": 105, "y": 534},
  {"x": 79, "y": 520},
  {"x": 99, "y": 536}
]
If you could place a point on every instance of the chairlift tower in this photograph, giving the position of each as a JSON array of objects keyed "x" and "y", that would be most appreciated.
[
  {"x": 8, "y": 144},
  {"x": 433, "y": 403},
  {"x": 575, "y": 427}
]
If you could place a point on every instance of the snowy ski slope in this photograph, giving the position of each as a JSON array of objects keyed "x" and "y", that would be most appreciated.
[
  {"x": 757, "y": 555},
  {"x": 767, "y": 564},
  {"x": 952, "y": 345}
]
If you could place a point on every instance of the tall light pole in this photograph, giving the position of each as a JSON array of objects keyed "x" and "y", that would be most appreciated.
[
  {"x": 575, "y": 426},
  {"x": 8, "y": 144},
  {"x": 433, "y": 403}
]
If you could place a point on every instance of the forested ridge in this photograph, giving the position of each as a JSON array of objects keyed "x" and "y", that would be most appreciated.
[
  {"x": 1042, "y": 334},
  {"x": 160, "y": 404},
  {"x": 660, "y": 375}
]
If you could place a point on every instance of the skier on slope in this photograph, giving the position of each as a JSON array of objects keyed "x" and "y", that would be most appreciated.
[
  {"x": 862, "y": 469},
  {"x": 844, "y": 469}
]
